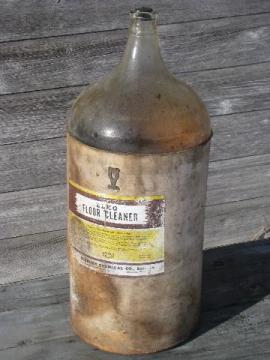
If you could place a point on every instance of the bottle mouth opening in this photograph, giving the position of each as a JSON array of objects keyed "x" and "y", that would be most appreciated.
[{"x": 144, "y": 14}]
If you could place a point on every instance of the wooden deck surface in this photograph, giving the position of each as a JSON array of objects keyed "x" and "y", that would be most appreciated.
[
  {"x": 235, "y": 321},
  {"x": 49, "y": 51}
]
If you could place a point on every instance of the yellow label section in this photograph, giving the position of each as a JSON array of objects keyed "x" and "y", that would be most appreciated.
[{"x": 117, "y": 245}]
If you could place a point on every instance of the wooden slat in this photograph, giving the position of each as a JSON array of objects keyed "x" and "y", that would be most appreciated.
[
  {"x": 40, "y": 324},
  {"x": 76, "y": 60},
  {"x": 238, "y": 179},
  {"x": 31, "y": 165},
  {"x": 34, "y": 293},
  {"x": 236, "y": 222},
  {"x": 42, "y": 255},
  {"x": 233, "y": 311},
  {"x": 69, "y": 348},
  {"x": 249, "y": 264},
  {"x": 42, "y": 163},
  {"x": 42, "y": 114},
  {"x": 35, "y": 115},
  {"x": 33, "y": 211},
  {"x": 32, "y": 256},
  {"x": 233, "y": 90},
  {"x": 29, "y": 19},
  {"x": 72, "y": 348},
  {"x": 239, "y": 135}
]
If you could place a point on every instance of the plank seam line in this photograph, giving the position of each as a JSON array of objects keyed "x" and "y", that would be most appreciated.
[
  {"x": 46, "y": 89},
  {"x": 39, "y": 278},
  {"x": 241, "y": 157},
  {"x": 125, "y": 28},
  {"x": 32, "y": 343},
  {"x": 218, "y": 18},
  {"x": 33, "y": 188},
  {"x": 181, "y": 72},
  {"x": 35, "y": 140},
  {"x": 32, "y": 234},
  {"x": 235, "y": 113},
  {"x": 232, "y": 202},
  {"x": 40, "y": 306}
]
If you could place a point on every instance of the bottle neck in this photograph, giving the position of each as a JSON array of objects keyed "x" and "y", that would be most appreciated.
[{"x": 142, "y": 55}]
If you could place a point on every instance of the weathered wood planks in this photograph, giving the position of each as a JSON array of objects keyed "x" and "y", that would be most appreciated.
[
  {"x": 27, "y": 19},
  {"x": 32, "y": 165},
  {"x": 234, "y": 321},
  {"x": 223, "y": 51},
  {"x": 33, "y": 211},
  {"x": 75, "y": 60},
  {"x": 243, "y": 134},
  {"x": 42, "y": 163},
  {"x": 236, "y": 222},
  {"x": 35, "y": 293},
  {"x": 44, "y": 209},
  {"x": 238, "y": 179},
  {"x": 40, "y": 115},
  {"x": 72, "y": 348},
  {"x": 35, "y": 256},
  {"x": 41, "y": 323},
  {"x": 44, "y": 254}
]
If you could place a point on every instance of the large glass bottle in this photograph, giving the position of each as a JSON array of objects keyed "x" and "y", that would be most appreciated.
[{"x": 138, "y": 146}]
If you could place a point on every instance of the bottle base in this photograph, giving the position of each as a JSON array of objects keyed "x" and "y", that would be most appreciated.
[{"x": 114, "y": 349}]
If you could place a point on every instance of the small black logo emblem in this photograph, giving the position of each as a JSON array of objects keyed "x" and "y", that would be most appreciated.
[{"x": 113, "y": 174}]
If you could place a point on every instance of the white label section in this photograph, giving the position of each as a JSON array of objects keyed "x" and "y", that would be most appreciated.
[
  {"x": 111, "y": 212},
  {"x": 120, "y": 269}
]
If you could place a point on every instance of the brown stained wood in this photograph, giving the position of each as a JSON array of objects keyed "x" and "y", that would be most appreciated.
[
  {"x": 27, "y": 20},
  {"x": 234, "y": 322},
  {"x": 229, "y": 223},
  {"x": 40, "y": 115},
  {"x": 77, "y": 60}
]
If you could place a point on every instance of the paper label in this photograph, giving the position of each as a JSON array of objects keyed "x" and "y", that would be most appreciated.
[{"x": 117, "y": 235}]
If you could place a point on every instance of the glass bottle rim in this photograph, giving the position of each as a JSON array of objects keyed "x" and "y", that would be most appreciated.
[{"x": 144, "y": 14}]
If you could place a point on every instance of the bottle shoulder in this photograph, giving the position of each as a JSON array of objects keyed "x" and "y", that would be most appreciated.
[{"x": 143, "y": 115}]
